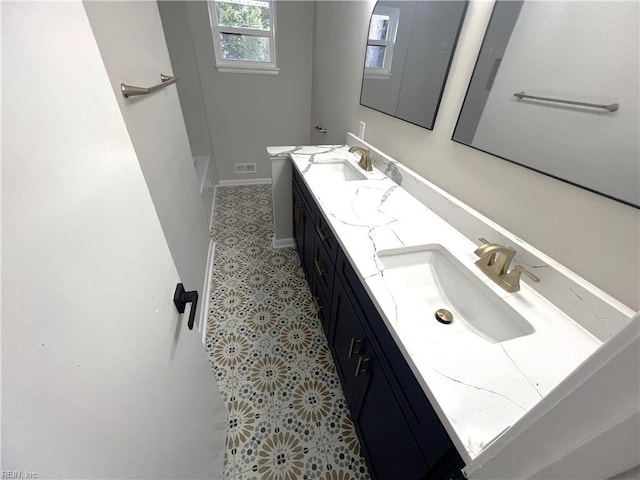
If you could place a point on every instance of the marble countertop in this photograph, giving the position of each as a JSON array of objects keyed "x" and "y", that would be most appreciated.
[{"x": 478, "y": 388}]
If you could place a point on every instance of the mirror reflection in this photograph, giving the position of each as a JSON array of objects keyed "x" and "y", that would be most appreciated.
[
  {"x": 408, "y": 54},
  {"x": 555, "y": 89}
]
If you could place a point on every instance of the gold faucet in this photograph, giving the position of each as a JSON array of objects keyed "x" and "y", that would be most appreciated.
[
  {"x": 365, "y": 158},
  {"x": 495, "y": 260}
]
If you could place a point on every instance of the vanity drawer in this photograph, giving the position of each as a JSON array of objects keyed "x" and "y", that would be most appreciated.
[
  {"x": 322, "y": 305},
  {"x": 323, "y": 268},
  {"x": 326, "y": 238},
  {"x": 310, "y": 204}
]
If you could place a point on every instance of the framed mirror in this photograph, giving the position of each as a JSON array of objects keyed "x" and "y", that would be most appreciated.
[
  {"x": 409, "y": 50},
  {"x": 555, "y": 89}
]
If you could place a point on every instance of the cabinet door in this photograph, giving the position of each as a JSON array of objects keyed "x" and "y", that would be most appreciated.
[
  {"x": 427, "y": 429},
  {"x": 326, "y": 238},
  {"x": 348, "y": 344},
  {"x": 298, "y": 223},
  {"x": 303, "y": 228},
  {"x": 323, "y": 267},
  {"x": 392, "y": 451},
  {"x": 308, "y": 241},
  {"x": 322, "y": 306}
]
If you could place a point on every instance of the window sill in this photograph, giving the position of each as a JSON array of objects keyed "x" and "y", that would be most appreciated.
[
  {"x": 377, "y": 76},
  {"x": 251, "y": 70}
]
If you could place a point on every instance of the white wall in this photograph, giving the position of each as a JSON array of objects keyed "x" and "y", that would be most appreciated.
[
  {"x": 542, "y": 59},
  {"x": 180, "y": 44},
  {"x": 339, "y": 36},
  {"x": 596, "y": 237},
  {"x": 248, "y": 112},
  {"x": 134, "y": 51}
]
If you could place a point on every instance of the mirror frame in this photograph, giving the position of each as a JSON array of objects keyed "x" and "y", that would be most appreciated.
[{"x": 570, "y": 182}]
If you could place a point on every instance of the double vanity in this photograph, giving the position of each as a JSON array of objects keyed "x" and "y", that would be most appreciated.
[{"x": 437, "y": 359}]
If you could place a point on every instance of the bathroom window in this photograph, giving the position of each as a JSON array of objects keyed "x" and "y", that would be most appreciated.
[
  {"x": 244, "y": 35},
  {"x": 380, "y": 41}
]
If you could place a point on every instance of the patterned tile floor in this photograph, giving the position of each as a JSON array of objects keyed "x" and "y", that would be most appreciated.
[{"x": 288, "y": 418}]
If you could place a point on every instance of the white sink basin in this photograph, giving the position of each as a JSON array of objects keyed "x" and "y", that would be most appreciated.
[
  {"x": 334, "y": 171},
  {"x": 429, "y": 278}
]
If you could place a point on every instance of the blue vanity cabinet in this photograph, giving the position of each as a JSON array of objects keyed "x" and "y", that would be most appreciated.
[
  {"x": 303, "y": 227},
  {"x": 394, "y": 407},
  {"x": 385, "y": 436},
  {"x": 348, "y": 344},
  {"x": 400, "y": 433},
  {"x": 326, "y": 238},
  {"x": 317, "y": 247},
  {"x": 323, "y": 267},
  {"x": 298, "y": 223},
  {"x": 322, "y": 305}
]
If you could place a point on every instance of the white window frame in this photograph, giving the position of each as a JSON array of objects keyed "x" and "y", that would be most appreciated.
[
  {"x": 244, "y": 66},
  {"x": 389, "y": 43}
]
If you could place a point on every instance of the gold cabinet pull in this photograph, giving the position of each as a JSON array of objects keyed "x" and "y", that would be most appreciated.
[
  {"x": 318, "y": 265},
  {"x": 321, "y": 233},
  {"x": 298, "y": 215},
  {"x": 352, "y": 346},
  {"x": 361, "y": 367},
  {"x": 316, "y": 303}
]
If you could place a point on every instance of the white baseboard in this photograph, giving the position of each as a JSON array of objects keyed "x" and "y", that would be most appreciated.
[
  {"x": 201, "y": 165},
  {"x": 283, "y": 242},
  {"x": 204, "y": 310},
  {"x": 239, "y": 181},
  {"x": 213, "y": 209}
]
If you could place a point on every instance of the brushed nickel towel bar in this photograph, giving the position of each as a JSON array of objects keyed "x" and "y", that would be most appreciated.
[
  {"x": 131, "y": 90},
  {"x": 612, "y": 107}
]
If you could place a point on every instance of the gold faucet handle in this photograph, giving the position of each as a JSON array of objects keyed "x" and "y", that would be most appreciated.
[
  {"x": 521, "y": 270},
  {"x": 511, "y": 281}
]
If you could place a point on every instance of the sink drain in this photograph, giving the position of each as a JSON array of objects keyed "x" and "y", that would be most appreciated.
[{"x": 444, "y": 316}]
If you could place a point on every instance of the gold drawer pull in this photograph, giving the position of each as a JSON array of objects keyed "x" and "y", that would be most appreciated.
[
  {"x": 316, "y": 303},
  {"x": 361, "y": 367},
  {"x": 352, "y": 346},
  {"x": 299, "y": 215},
  {"x": 321, "y": 233},
  {"x": 318, "y": 265}
]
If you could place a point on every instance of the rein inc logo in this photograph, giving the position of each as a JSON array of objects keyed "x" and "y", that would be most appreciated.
[{"x": 19, "y": 474}]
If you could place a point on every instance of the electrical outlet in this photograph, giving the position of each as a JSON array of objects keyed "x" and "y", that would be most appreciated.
[{"x": 361, "y": 131}]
